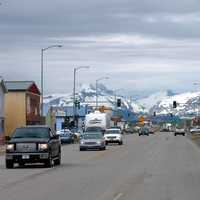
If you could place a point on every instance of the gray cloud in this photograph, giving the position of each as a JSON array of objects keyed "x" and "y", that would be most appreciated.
[{"x": 137, "y": 43}]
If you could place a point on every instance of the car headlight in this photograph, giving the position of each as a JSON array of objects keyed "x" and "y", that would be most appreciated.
[
  {"x": 99, "y": 142},
  {"x": 10, "y": 147},
  {"x": 43, "y": 146},
  {"x": 82, "y": 142}
]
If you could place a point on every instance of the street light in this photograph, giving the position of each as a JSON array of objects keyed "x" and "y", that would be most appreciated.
[
  {"x": 42, "y": 73},
  {"x": 74, "y": 88},
  {"x": 97, "y": 81}
]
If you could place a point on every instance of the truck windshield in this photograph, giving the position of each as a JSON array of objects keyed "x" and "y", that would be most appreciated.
[{"x": 31, "y": 133}]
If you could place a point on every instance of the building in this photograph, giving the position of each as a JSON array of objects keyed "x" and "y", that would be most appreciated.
[
  {"x": 22, "y": 105},
  {"x": 3, "y": 90}
]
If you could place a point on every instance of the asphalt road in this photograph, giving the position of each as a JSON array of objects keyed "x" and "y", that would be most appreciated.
[{"x": 158, "y": 167}]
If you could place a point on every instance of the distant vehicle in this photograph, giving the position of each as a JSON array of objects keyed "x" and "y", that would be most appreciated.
[
  {"x": 195, "y": 130},
  {"x": 92, "y": 140},
  {"x": 113, "y": 135},
  {"x": 97, "y": 120},
  {"x": 78, "y": 134},
  {"x": 179, "y": 131},
  {"x": 33, "y": 144},
  {"x": 66, "y": 136},
  {"x": 144, "y": 131},
  {"x": 151, "y": 130}
]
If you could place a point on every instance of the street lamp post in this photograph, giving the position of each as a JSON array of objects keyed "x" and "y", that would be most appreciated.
[
  {"x": 97, "y": 81},
  {"x": 198, "y": 84},
  {"x": 74, "y": 89},
  {"x": 42, "y": 73}
]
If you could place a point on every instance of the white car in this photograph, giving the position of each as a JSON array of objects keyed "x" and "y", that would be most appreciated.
[
  {"x": 179, "y": 131},
  {"x": 113, "y": 135},
  {"x": 195, "y": 130}
]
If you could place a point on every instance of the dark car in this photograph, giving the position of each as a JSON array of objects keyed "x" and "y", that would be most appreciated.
[
  {"x": 66, "y": 136},
  {"x": 144, "y": 131},
  {"x": 33, "y": 144}
]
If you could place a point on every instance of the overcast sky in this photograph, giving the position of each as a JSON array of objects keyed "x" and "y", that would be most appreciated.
[{"x": 142, "y": 45}]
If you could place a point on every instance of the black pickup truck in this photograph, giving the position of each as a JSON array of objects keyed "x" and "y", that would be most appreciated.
[{"x": 33, "y": 144}]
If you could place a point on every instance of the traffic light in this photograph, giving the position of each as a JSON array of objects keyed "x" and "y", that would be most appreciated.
[
  {"x": 79, "y": 105},
  {"x": 154, "y": 114},
  {"x": 171, "y": 115},
  {"x": 119, "y": 102},
  {"x": 174, "y": 104}
]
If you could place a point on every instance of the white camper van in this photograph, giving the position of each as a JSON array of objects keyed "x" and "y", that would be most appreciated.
[{"x": 97, "y": 121}]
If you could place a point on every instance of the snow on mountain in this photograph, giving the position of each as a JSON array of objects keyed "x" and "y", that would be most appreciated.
[
  {"x": 153, "y": 99},
  {"x": 187, "y": 104},
  {"x": 87, "y": 95}
]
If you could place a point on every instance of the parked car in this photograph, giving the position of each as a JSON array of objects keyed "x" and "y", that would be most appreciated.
[
  {"x": 179, "y": 131},
  {"x": 92, "y": 140},
  {"x": 144, "y": 131},
  {"x": 33, "y": 144},
  {"x": 195, "y": 130},
  {"x": 66, "y": 136},
  {"x": 113, "y": 135}
]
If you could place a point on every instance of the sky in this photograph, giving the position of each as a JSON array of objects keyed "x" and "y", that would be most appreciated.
[{"x": 141, "y": 45}]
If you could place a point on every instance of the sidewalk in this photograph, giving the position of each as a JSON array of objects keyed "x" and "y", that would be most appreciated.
[{"x": 2, "y": 150}]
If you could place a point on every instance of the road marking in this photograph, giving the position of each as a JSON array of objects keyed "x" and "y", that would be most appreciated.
[{"x": 118, "y": 196}]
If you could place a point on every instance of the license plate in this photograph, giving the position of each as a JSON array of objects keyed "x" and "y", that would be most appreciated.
[{"x": 25, "y": 156}]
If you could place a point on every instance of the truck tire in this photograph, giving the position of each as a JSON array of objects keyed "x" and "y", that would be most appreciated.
[
  {"x": 49, "y": 162},
  {"x": 58, "y": 160},
  {"x": 9, "y": 164}
]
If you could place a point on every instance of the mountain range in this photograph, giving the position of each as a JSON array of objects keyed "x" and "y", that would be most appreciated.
[{"x": 161, "y": 103}]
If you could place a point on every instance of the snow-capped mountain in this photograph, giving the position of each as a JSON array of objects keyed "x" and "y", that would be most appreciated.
[
  {"x": 151, "y": 100},
  {"x": 87, "y": 95},
  {"x": 159, "y": 102},
  {"x": 187, "y": 104}
]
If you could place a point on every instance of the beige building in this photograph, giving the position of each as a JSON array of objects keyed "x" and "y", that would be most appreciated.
[{"x": 22, "y": 105}]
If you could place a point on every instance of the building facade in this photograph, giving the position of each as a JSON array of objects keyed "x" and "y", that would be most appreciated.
[
  {"x": 22, "y": 105},
  {"x": 2, "y": 113}
]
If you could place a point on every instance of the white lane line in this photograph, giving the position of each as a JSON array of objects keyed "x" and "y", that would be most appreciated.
[{"x": 118, "y": 196}]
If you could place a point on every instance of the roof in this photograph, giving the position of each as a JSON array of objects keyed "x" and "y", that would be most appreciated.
[{"x": 21, "y": 86}]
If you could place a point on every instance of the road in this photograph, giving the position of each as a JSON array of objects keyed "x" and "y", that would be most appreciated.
[{"x": 158, "y": 167}]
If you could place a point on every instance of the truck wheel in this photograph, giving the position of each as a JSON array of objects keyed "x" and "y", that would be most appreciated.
[
  {"x": 174, "y": 134},
  {"x": 9, "y": 164},
  {"x": 121, "y": 143},
  {"x": 21, "y": 164},
  {"x": 49, "y": 162},
  {"x": 58, "y": 161}
]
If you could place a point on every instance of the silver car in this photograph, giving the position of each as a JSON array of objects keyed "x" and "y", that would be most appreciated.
[{"x": 92, "y": 140}]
